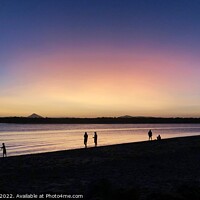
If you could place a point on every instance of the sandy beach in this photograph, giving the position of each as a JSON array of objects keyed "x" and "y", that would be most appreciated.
[{"x": 167, "y": 169}]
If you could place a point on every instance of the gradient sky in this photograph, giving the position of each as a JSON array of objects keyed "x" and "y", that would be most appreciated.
[{"x": 93, "y": 58}]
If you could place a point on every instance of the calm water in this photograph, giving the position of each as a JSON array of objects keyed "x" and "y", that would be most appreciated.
[{"x": 27, "y": 139}]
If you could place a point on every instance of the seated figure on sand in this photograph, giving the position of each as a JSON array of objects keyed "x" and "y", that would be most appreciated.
[{"x": 158, "y": 137}]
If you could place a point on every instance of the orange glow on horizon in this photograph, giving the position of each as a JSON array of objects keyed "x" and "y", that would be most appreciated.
[{"x": 99, "y": 84}]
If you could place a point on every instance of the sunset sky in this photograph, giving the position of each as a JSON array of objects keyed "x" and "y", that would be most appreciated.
[{"x": 94, "y": 58}]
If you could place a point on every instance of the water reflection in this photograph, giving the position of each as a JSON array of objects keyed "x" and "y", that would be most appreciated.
[{"x": 26, "y": 139}]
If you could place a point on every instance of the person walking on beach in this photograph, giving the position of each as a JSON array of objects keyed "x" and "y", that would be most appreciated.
[
  {"x": 95, "y": 138},
  {"x": 4, "y": 150},
  {"x": 85, "y": 139},
  {"x": 150, "y": 134}
]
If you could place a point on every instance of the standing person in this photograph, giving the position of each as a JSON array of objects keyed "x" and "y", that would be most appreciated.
[
  {"x": 150, "y": 134},
  {"x": 4, "y": 150},
  {"x": 85, "y": 139},
  {"x": 95, "y": 138}
]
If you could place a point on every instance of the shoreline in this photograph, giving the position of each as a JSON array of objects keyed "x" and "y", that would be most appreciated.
[
  {"x": 145, "y": 170},
  {"x": 91, "y": 147}
]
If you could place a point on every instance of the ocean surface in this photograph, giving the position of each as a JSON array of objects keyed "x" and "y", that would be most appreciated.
[{"x": 28, "y": 139}]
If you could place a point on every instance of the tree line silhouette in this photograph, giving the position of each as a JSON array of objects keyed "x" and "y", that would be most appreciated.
[{"x": 98, "y": 120}]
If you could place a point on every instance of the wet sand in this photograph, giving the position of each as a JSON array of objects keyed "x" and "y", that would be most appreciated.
[{"x": 166, "y": 169}]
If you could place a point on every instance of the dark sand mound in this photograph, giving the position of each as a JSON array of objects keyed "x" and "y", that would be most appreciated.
[{"x": 167, "y": 169}]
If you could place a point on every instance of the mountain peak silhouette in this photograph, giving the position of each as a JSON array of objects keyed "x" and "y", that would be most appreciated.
[{"x": 34, "y": 115}]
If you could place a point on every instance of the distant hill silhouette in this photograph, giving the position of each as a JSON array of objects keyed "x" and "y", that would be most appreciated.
[
  {"x": 34, "y": 115},
  {"x": 125, "y": 116}
]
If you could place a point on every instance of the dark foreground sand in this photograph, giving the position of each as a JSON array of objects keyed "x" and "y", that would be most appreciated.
[{"x": 167, "y": 169}]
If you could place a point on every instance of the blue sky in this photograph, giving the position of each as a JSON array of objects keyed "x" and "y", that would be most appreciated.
[{"x": 110, "y": 37}]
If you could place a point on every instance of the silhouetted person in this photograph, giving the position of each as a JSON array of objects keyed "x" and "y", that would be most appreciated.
[
  {"x": 159, "y": 137},
  {"x": 150, "y": 134},
  {"x": 85, "y": 139},
  {"x": 4, "y": 150},
  {"x": 95, "y": 138}
]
